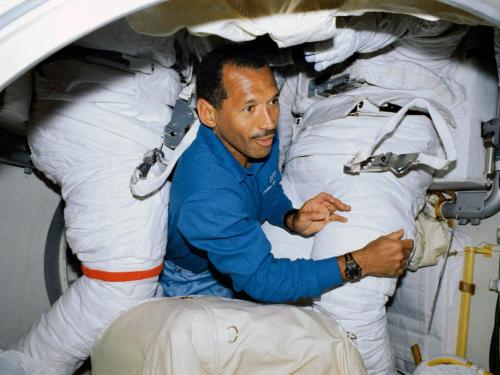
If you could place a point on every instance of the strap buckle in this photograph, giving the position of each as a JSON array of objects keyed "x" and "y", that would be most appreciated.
[{"x": 150, "y": 158}]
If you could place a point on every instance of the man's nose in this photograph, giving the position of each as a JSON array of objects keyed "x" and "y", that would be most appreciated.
[{"x": 268, "y": 120}]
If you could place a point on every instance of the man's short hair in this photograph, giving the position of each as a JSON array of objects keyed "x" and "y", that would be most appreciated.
[{"x": 209, "y": 83}]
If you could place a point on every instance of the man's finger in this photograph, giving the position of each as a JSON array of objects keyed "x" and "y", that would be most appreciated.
[
  {"x": 327, "y": 198},
  {"x": 324, "y": 196},
  {"x": 322, "y": 199},
  {"x": 337, "y": 202},
  {"x": 331, "y": 202},
  {"x": 343, "y": 206},
  {"x": 407, "y": 244},
  {"x": 315, "y": 216},
  {"x": 339, "y": 206},
  {"x": 318, "y": 202},
  {"x": 397, "y": 235},
  {"x": 335, "y": 217}
]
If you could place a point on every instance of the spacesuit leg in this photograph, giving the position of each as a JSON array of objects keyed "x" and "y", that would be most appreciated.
[
  {"x": 63, "y": 337},
  {"x": 362, "y": 314}
]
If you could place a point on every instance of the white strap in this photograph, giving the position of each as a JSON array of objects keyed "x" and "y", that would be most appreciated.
[
  {"x": 440, "y": 125},
  {"x": 160, "y": 171},
  {"x": 187, "y": 92}
]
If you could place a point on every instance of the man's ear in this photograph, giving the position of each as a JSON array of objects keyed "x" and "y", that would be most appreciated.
[{"x": 206, "y": 113}]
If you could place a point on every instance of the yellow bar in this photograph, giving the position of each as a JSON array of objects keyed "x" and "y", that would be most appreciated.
[
  {"x": 465, "y": 300},
  {"x": 417, "y": 355}
]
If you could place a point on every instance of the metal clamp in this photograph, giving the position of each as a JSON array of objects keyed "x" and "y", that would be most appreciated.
[
  {"x": 182, "y": 118},
  {"x": 397, "y": 164},
  {"x": 333, "y": 86},
  {"x": 467, "y": 287},
  {"x": 495, "y": 285}
]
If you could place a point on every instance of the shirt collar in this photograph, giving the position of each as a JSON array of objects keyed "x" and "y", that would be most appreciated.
[{"x": 224, "y": 156}]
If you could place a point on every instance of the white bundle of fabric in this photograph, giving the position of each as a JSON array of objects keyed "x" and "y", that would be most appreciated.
[
  {"x": 91, "y": 126},
  {"x": 415, "y": 38},
  {"x": 240, "y": 21},
  {"x": 208, "y": 335},
  {"x": 381, "y": 202}
]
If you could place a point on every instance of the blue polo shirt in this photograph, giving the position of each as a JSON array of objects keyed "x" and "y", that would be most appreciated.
[{"x": 215, "y": 214}]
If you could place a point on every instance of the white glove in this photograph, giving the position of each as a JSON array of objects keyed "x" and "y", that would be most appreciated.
[
  {"x": 367, "y": 33},
  {"x": 333, "y": 51}
]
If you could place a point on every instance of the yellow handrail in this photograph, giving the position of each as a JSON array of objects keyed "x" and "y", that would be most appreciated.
[{"x": 467, "y": 288}]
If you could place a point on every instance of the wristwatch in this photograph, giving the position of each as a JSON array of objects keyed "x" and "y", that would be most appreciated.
[{"x": 352, "y": 269}]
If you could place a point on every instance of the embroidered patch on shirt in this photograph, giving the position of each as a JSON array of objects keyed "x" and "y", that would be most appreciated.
[{"x": 272, "y": 182}]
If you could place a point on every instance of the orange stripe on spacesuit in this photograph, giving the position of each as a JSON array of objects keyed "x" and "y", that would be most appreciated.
[{"x": 121, "y": 276}]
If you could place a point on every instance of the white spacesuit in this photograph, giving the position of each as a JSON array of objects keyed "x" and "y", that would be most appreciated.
[
  {"x": 347, "y": 124},
  {"x": 90, "y": 127}
]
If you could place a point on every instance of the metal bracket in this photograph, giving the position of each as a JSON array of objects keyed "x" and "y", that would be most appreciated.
[
  {"x": 472, "y": 206},
  {"x": 490, "y": 131},
  {"x": 469, "y": 206},
  {"x": 182, "y": 118},
  {"x": 467, "y": 287},
  {"x": 333, "y": 85},
  {"x": 397, "y": 164},
  {"x": 495, "y": 285}
]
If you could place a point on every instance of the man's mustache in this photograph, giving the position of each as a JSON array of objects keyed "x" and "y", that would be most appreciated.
[{"x": 264, "y": 133}]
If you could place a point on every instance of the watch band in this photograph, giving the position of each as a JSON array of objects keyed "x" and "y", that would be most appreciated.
[{"x": 291, "y": 212}]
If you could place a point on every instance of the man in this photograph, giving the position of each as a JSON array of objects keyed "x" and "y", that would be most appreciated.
[{"x": 227, "y": 184}]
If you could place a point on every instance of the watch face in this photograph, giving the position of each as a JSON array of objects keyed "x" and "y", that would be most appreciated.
[
  {"x": 354, "y": 274},
  {"x": 352, "y": 270}
]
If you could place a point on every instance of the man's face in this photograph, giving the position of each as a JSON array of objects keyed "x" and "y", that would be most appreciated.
[{"x": 246, "y": 120}]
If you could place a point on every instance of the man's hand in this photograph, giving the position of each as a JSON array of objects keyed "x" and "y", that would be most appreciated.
[
  {"x": 386, "y": 256},
  {"x": 316, "y": 213}
]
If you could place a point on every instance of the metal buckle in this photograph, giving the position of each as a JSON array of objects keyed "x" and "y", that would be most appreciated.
[{"x": 397, "y": 164}]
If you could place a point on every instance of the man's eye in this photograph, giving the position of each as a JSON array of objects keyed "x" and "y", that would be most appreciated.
[
  {"x": 250, "y": 108},
  {"x": 275, "y": 101}
]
